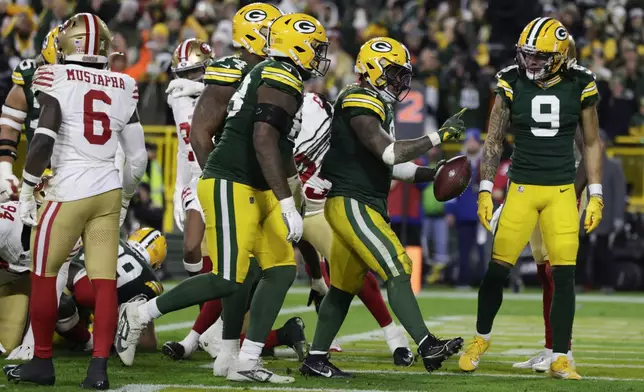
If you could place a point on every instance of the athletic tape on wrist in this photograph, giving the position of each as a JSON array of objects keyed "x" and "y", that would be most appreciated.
[
  {"x": 435, "y": 138},
  {"x": 9, "y": 111},
  {"x": 46, "y": 132},
  {"x": 193, "y": 267},
  {"x": 11, "y": 123},
  {"x": 486, "y": 186},
  {"x": 595, "y": 189},
  {"x": 30, "y": 178}
]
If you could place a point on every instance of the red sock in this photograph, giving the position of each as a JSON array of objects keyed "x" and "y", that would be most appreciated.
[
  {"x": 325, "y": 273},
  {"x": 207, "y": 316},
  {"x": 270, "y": 342},
  {"x": 105, "y": 316},
  {"x": 207, "y": 265},
  {"x": 78, "y": 333},
  {"x": 43, "y": 309},
  {"x": 372, "y": 299},
  {"x": 84, "y": 293},
  {"x": 544, "y": 273}
]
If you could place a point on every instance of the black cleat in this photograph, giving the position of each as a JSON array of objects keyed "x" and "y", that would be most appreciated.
[
  {"x": 38, "y": 370},
  {"x": 319, "y": 366},
  {"x": 268, "y": 352},
  {"x": 96, "y": 375},
  {"x": 173, "y": 350},
  {"x": 403, "y": 357},
  {"x": 434, "y": 351},
  {"x": 292, "y": 335}
]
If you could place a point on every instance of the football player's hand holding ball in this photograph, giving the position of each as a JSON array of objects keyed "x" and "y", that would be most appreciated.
[{"x": 453, "y": 128}]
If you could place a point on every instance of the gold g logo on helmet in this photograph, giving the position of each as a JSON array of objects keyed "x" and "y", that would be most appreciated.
[
  {"x": 250, "y": 26},
  {"x": 386, "y": 64},
  {"x": 191, "y": 54},
  {"x": 49, "y": 46},
  {"x": 301, "y": 38},
  {"x": 151, "y": 244},
  {"x": 542, "y": 48},
  {"x": 84, "y": 38}
]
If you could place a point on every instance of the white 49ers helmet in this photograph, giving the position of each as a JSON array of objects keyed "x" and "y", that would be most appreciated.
[
  {"x": 84, "y": 38},
  {"x": 191, "y": 54}
]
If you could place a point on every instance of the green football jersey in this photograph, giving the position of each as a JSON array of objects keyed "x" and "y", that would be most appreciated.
[
  {"x": 134, "y": 275},
  {"x": 544, "y": 118},
  {"x": 234, "y": 158},
  {"x": 22, "y": 76},
  {"x": 354, "y": 171}
]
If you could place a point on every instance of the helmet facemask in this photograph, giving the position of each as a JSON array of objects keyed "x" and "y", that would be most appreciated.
[
  {"x": 537, "y": 65},
  {"x": 394, "y": 83},
  {"x": 195, "y": 73},
  {"x": 320, "y": 63}
]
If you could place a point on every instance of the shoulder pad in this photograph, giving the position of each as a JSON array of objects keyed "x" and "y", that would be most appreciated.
[
  {"x": 282, "y": 76},
  {"x": 229, "y": 70},
  {"x": 508, "y": 73},
  {"x": 24, "y": 71},
  {"x": 582, "y": 72},
  {"x": 364, "y": 99}
]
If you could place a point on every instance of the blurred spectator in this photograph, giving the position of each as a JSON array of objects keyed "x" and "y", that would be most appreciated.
[
  {"x": 149, "y": 204},
  {"x": 19, "y": 36},
  {"x": 461, "y": 214},
  {"x": 341, "y": 71},
  {"x": 636, "y": 127},
  {"x": 52, "y": 17},
  {"x": 405, "y": 209},
  {"x": 125, "y": 24},
  {"x": 434, "y": 228},
  {"x": 222, "y": 39},
  {"x": 597, "y": 246}
]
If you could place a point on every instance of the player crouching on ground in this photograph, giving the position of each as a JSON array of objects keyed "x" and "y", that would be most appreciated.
[{"x": 362, "y": 160}]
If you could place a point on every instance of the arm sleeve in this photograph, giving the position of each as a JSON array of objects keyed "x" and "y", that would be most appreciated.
[
  {"x": 589, "y": 95},
  {"x": 136, "y": 157},
  {"x": 44, "y": 80}
]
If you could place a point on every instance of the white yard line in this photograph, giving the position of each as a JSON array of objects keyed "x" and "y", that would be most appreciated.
[
  {"x": 249, "y": 387},
  {"x": 460, "y": 374}
]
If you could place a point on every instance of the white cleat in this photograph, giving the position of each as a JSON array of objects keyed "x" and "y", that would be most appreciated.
[
  {"x": 335, "y": 347},
  {"x": 129, "y": 330},
  {"x": 253, "y": 371},
  {"x": 210, "y": 341},
  {"x": 543, "y": 365},
  {"x": 24, "y": 352},
  {"x": 530, "y": 363},
  {"x": 223, "y": 362}
]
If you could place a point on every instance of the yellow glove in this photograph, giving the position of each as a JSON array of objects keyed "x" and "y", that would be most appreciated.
[
  {"x": 593, "y": 213},
  {"x": 485, "y": 209}
]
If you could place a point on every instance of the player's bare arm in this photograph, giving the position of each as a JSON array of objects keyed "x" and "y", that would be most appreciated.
[
  {"x": 581, "y": 180},
  {"x": 208, "y": 119},
  {"x": 592, "y": 148},
  {"x": 277, "y": 107},
  {"x": 42, "y": 145},
  {"x": 14, "y": 112},
  {"x": 410, "y": 172},
  {"x": 493, "y": 147}
]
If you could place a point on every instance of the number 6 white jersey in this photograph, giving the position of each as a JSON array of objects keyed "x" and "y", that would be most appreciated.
[{"x": 95, "y": 104}]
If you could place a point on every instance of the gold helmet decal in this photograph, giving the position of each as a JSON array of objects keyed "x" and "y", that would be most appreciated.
[
  {"x": 49, "y": 51},
  {"x": 191, "y": 54},
  {"x": 84, "y": 38},
  {"x": 386, "y": 64},
  {"x": 542, "y": 48},
  {"x": 250, "y": 26},
  {"x": 151, "y": 244}
]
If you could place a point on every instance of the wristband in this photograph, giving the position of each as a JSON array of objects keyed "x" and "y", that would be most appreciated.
[
  {"x": 288, "y": 205},
  {"x": 30, "y": 179},
  {"x": 11, "y": 123},
  {"x": 486, "y": 186},
  {"x": 193, "y": 267},
  {"x": 435, "y": 138},
  {"x": 46, "y": 132},
  {"x": 595, "y": 190},
  {"x": 9, "y": 111}
]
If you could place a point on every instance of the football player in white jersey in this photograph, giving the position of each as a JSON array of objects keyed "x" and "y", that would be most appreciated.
[
  {"x": 311, "y": 145},
  {"x": 85, "y": 109}
]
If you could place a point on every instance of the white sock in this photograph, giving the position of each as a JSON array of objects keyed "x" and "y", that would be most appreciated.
[
  {"x": 390, "y": 330},
  {"x": 485, "y": 336},
  {"x": 250, "y": 351},
  {"x": 569, "y": 355},
  {"x": 318, "y": 352},
  {"x": 231, "y": 346},
  {"x": 191, "y": 340},
  {"x": 320, "y": 286},
  {"x": 149, "y": 311},
  {"x": 556, "y": 356},
  {"x": 547, "y": 352}
]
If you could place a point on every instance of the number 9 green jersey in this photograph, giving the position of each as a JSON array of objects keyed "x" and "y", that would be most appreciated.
[{"x": 544, "y": 120}]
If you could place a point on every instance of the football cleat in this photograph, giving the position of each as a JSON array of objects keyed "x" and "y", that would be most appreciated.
[
  {"x": 403, "y": 357},
  {"x": 434, "y": 354},
  {"x": 128, "y": 330},
  {"x": 253, "y": 371},
  {"x": 319, "y": 366},
  {"x": 469, "y": 360},
  {"x": 436, "y": 274},
  {"x": 335, "y": 347},
  {"x": 223, "y": 362},
  {"x": 292, "y": 335},
  {"x": 38, "y": 371},
  {"x": 177, "y": 351},
  {"x": 210, "y": 341},
  {"x": 96, "y": 375},
  {"x": 563, "y": 369},
  {"x": 538, "y": 359}
]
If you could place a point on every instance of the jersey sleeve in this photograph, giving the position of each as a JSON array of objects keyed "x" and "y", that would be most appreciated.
[
  {"x": 504, "y": 81},
  {"x": 227, "y": 71},
  {"x": 283, "y": 77},
  {"x": 363, "y": 102},
  {"x": 153, "y": 288},
  {"x": 133, "y": 92},
  {"x": 23, "y": 73},
  {"x": 588, "y": 84}
]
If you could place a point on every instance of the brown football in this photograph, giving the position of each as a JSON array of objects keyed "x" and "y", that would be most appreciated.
[{"x": 452, "y": 178}]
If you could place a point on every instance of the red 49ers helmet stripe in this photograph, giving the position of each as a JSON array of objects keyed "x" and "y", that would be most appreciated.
[{"x": 91, "y": 28}]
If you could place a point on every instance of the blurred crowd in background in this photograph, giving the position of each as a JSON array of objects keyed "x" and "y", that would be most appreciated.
[{"x": 457, "y": 46}]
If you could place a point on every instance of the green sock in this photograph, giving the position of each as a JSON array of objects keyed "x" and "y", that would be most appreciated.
[
  {"x": 333, "y": 310},
  {"x": 405, "y": 307},
  {"x": 267, "y": 301},
  {"x": 235, "y": 305},
  {"x": 194, "y": 291},
  {"x": 491, "y": 296},
  {"x": 562, "y": 312}
]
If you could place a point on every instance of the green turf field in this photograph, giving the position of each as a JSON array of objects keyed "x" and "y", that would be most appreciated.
[{"x": 608, "y": 347}]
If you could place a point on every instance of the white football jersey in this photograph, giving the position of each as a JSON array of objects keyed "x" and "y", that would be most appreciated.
[
  {"x": 14, "y": 254},
  {"x": 95, "y": 104},
  {"x": 187, "y": 166},
  {"x": 311, "y": 145}
]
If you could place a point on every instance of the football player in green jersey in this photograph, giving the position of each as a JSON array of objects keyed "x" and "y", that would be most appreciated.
[
  {"x": 541, "y": 99},
  {"x": 20, "y": 108},
  {"x": 244, "y": 192},
  {"x": 362, "y": 160}
]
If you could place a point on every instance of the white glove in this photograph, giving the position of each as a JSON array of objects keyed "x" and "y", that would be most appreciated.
[
  {"x": 8, "y": 188},
  {"x": 125, "y": 203},
  {"x": 320, "y": 286},
  {"x": 2, "y": 349},
  {"x": 27, "y": 206},
  {"x": 295, "y": 185},
  {"x": 179, "y": 213},
  {"x": 292, "y": 219},
  {"x": 184, "y": 88}
]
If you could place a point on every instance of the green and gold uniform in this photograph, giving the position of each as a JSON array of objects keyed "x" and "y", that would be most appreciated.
[
  {"x": 134, "y": 275},
  {"x": 242, "y": 213},
  {"x": 22, "y": 76},
  {"x": 544, "y": 118},
  {"x": 356, "y": 207}
]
